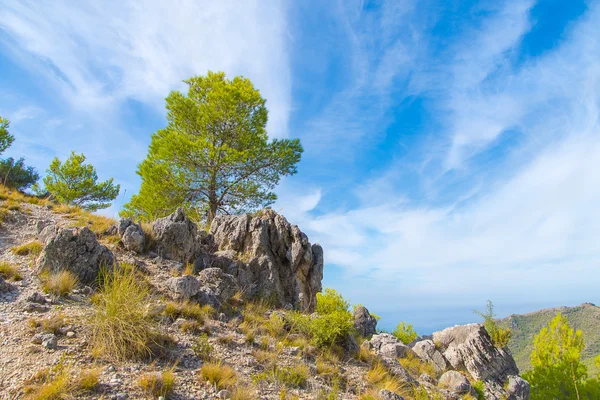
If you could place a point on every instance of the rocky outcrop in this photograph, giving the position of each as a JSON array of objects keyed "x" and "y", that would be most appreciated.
[
  {"x": 469, "y": 348},
  {"x": 388, "y": 345},
  {"x": 132, "y": 235},
  {"x": 276, "y": 260},
  {"x": 426, "y": 351},
  {"x": 455, "y": 382},
  {"x": 176, "y": 237},
  {"x": 216, "y": 287},
  {"x": 183, "y": 287},
  {"x": 364, "y": 323},
  {"x": 74, "y": 250}
]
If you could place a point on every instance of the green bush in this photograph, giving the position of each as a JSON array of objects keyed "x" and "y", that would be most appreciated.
[
  {"x": 405, "y": 333},
  {"x": 499, "y": 336}
]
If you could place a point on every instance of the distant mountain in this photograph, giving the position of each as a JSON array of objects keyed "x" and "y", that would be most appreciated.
[{"x": 524, "y": 327}]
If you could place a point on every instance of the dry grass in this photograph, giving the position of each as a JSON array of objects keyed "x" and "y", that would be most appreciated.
[
  {"x": 379, "y": 378},
  {"x": 295, "y": 376},
  {"x": 96, "y": 223},
  {"x": 33, "y": 248},
  {"x": 10, "y": 272},
  {"x": 53, "y": 324},
  {"x": 58, "y": 284},
  {"x": 188, "y": 310},
  {"x": 59, "y": 383},
  {"x": 265, "y": 358},
  {"x": 157, "y": 384},
  {"x": 415, "y": 366},
  {"x": 150, "y": 242},
  {"x": 243, "y": 393},
  {"x": 121, "y": 328},
  {"x": 220, "y": 375}
]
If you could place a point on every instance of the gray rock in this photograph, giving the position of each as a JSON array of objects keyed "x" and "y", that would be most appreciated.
[
  {"x": 426, "y": 351},
  {"x": 387, "y": 395},
  {"x": 74, "y": 250},
  {"x": 517, "y": 388},
  {"x": 455, "y": 382},
  {"x": 277, "y": 260},
  {"x": 364, "y": 323},
  {"x": 5, "y": 286},
  {"x": 470, "y": 348},
  {"x": 35, "y": 297},
  {"x": 224, "y": 394},
  {"x": 216, "y": 287},
  {"x": 426, "y": 378},
  {"x": 177, "y": 237},
  {"x": 132, "y": 235},
  {"x": 35, "y": 307},
  {"x": 184, "y": 287},
  {"x": 396, "y": 369},
  {"x": 388, "y": 345},
  {"x": 49, "y": 341}
]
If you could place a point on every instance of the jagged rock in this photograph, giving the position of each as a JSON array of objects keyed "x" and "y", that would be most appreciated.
[
  {"x": 517, "y": 388},
  {"x": 50, "y": 341},
  {"x": 455, "y": 382},
  {"x": 364, "y": 323},
  {"x": 387, "y": 395},
  {"x": 75, "y": 250},
  {"x": 216, "y": 287},
  {"x": 388, "y": 346},
  {"x": 35, "y": 297},
  {"x": 426, "y": 378},
  {"x": 470, "y": 348},
  {"x": 184, "y": 287},
  {"x": 278, "y": 261},
  {"x": 396, "y": 369},
  {"x": 176, "y": 237},
  {"x": 426, "y": 351},
  {"x": 132, "y": 235}
]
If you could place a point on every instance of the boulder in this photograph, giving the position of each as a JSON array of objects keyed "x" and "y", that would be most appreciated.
[
  {"x": 184, "y": 287},
  {"x": 277, "y": 261},
  {"x": 388, "y": 345},
  {"x": 74, "y": 250},
  {"x": 455, "y": 382},
  {"x": 216, "y": 287},
  {"x": 132, "y": 235},
  {"x": 517, "y": 388},
  {"x": 426, "y": 351},
  {"x": 177, "y": 237},
  {"x": 364, "y": 323}
]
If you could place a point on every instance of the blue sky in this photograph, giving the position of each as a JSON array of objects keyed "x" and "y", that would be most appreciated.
[{"x": 452, "y": 148}]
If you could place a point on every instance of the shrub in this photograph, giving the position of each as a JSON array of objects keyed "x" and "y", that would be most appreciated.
[
  {"x": 33, "y": 248},
  {"x": 15, "y": 174},
  {"x": 499, "y": 336},
  {"x": 330, "y": 302},
  {"x": 9, "y": 271},
  {"x": 59, "y": 283},
  {"x": 121, "y": 328},
  {"x": 157, "y": 383},
  {"x": 202, "y": 347},
  {"x": 405, "y": 333},
  {"x": 220, "y": 375}
]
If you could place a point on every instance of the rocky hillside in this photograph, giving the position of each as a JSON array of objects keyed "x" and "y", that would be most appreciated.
[
  {"x": 524, "y": 328},
  {"x": 93, "y": 308}
]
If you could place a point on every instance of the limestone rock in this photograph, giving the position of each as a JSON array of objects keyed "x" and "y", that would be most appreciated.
[
  {"x": 216, "y": 287},
  {"x": 426, "y": 351},
  {"x": 75, "y": 250},
  {"x": 455, "y": 382},
  {"x": 517, "y": 388},
  {"x": 132, "y": 235},
  {"x": 387, "y": 395},
  {"x": 184, "y": 287},
  {"x": 388, "y": 345},
  {"x": 176, "y": 237},
  {"x": 364, "y": 323},
  {"x": 278, "y": 261}
]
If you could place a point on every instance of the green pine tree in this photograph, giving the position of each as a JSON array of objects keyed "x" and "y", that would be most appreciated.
[
  {"x": 214, "y": 155},
  {"x": 6, "y": 139},
  {"x": 76, "y": 183}
]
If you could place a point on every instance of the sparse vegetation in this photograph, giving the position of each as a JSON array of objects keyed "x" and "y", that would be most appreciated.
[
  {"x": 9, "y": 271},
  {"x": 294, "y": 376},
  {"x": 58, "y": 383},
  {"x": 405, "y": 332},
  {"x": 33, "y": 248},
  {"x": 188, "y": 310},
  {"x": 157, "y": 384},
  {"x": 500, "y": 336},
  {"x": 222, "y": 376},
  {"x": 121, "y": 329},
  {"x": 202, "y": 347},
  {"x": 58, "y": 283}
]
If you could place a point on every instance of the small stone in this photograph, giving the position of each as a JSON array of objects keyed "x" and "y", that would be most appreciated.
[
  {"x": 49, "y": 341},
  {"x": 36, "y": 298},
  {"x": 224, "y": 394},
  {"x": 34, "y": 307},
  {"x": 70, "y": 334}
]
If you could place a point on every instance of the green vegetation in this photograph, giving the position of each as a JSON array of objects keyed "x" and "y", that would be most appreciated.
[
  {"x": 76, "y": 183},
  {"x": 9, "y": 271},
  {"x": 556, "y": 360},
  {"x": 16, "y": 175},
  {"x": 6, "y": 139},
  {"x": 59, "y": 383},
  {"x": 500, "y": 336},
  {"x": 202, "y": 347},
  {"x": 214, "y": 155},
  {"x": 120, "y": 326},
  {"x": 524, "y": 327},
  {"x": 33, "y": 248},
  {"x": 405, "y": 333},
  {"x": 294, "y": 376}
]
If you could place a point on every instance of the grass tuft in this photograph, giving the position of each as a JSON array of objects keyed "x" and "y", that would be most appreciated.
[
  {"x": 157, "y": 384},
  {"x": 58, "y": 284},
  {"x": 220, "y": 375},
  {"x": 10, "y": 272},
  {"x": 33, "y": 248}
]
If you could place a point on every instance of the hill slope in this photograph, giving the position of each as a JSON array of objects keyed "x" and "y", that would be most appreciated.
[{"x": 524, "y": 327}]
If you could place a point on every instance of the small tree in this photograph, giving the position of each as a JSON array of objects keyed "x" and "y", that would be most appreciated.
[
  {"x": 75, "y": 183},
  {"x": 499, "y": 336},
  {"x": 405, "y": 333},
  {"x": 16, "y": 174},
  {"x": 557, "y": 370},
  {"x": 214, "y": 155},
  {"x": 6, "y": 139}
]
